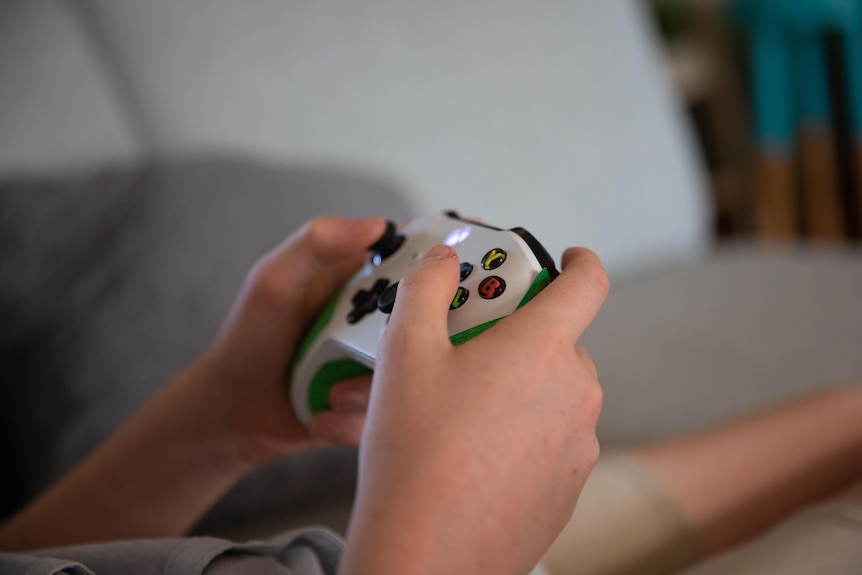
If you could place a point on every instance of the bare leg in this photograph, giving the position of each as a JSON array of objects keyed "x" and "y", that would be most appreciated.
[
  {"x": 823, "y": 538},
  {"x": 663, "y": 507},
  {"x": 736, "y": 480}
]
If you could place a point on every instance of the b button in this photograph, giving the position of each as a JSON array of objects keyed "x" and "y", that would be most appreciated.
[
  {"x": 491, "y": 287},
  {"x": 494, "y": 259}
]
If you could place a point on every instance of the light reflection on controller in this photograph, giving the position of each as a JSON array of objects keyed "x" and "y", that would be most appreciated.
[{"x": 457, "y": 236}]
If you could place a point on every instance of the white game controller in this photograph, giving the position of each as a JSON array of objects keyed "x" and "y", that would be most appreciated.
[{"x": 501, "y": 270}]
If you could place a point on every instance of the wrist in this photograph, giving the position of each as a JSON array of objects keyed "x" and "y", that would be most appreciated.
[
  {"x": 203, "y": 418},
  {"x": 404, "y": 528},
  {"x": 254, "y": 426}
]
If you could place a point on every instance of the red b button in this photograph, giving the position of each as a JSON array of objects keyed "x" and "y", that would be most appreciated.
[{"x": 492, "y": 287}]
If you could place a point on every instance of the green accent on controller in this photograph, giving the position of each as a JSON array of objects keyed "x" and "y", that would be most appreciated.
[
  {"x": 315, "y": 329},
  {"x": 541, "y": 282},
  {"x": 468, "y": 334},
  {"x": 328, "y": 375}
]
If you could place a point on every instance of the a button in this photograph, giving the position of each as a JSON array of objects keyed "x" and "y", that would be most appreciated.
[
  {"x": 491, "y": 287},
  {"x": 466, "y": 270},
  {"x": 386, "y": 301},
  {"x": 494, "y": 259},
  {"x": 365, "y": 301},
  {"x": 461, "y": 296}
]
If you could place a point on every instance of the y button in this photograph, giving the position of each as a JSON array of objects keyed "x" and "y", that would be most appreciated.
[{"x": 494, "y": 259}]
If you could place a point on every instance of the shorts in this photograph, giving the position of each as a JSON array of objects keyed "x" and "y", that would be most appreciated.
[{"x": 628, "y": 522}]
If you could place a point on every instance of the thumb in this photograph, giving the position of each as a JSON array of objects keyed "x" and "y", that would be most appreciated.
[
  {"x": 322, "y": 242},
  {"x": 424, "y": 295}
]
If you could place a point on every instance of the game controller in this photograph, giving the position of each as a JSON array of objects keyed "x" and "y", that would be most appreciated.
[{"x": 501, "y": 270}]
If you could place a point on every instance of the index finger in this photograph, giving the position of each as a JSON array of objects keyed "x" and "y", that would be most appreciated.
[{"x": 571, "y": 301}]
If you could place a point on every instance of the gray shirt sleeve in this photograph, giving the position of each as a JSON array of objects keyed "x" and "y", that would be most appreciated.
[{"x": 306, "y": 552}]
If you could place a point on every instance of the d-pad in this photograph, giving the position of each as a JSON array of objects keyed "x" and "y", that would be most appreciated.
[{"x": 365, "y": 301}]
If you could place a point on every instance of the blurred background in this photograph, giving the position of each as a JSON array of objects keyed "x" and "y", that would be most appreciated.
[
  {"x": 678, "y": 121},
  {"x": 556, "y": 117},
  {"x": 774, "y": 90},
  {"x": 150, "y": 151}
]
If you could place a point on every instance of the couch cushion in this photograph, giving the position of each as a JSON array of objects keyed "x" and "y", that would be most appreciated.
[
  {"x": 691, "y": 345},
  {"x": 113, "y": 281}
]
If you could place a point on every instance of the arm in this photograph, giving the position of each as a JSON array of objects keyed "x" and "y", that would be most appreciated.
[
  {"x": 473, "y": 456},
  {"x": 224, "y": 415}
]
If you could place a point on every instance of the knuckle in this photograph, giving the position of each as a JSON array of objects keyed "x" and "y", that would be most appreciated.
[
  {"x": 594, "y": 399},
  {"x": 266, "y": 286},
  {"x": 588, "y": 450},
  {"x": 595, "y": 275},
  {"x": 585, "y": 357},
  {"x": 588, "y": 268},
  {"x": 312, "y": 231},
  {"x": 595, "y": 450},
  {"x": 591, "y": 393}
]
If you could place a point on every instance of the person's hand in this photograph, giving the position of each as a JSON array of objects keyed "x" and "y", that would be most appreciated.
[
  {"x": 221, "y": 417},
  {"x": 473, "y": 457},
  {"x": 245, "y": 367}
]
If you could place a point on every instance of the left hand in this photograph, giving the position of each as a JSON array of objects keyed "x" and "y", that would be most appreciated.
[
  {"x": 224, "y": 415},
  {"x": 246, "y": 364}
]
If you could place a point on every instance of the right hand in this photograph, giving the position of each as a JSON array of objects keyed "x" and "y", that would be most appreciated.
[{"x": 473, "y": 457}]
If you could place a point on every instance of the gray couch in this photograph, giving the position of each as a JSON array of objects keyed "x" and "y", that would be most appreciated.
[
  {"x": 150, "y": 151},
  {"x": 114, "y": 280}
]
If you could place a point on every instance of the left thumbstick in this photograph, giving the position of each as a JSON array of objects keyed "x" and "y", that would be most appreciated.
[{"x": 387, "y": 245}]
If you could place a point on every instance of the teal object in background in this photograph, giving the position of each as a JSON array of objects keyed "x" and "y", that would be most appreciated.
[
  {"x": 789, "y": 77},
  {"x": 812, "y": 107},
  {"x": 853, "y": 70}
]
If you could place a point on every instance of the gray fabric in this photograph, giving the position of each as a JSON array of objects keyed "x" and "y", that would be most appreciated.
[
  {"x": 749, "y": 326},
  {"x": 21, "y": 564},
  {"x": 309, "y": 552},
  {"x": 110, "y": 282}
]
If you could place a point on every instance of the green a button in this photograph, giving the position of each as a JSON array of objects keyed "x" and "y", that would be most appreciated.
[{"x": 460, "y": 297}]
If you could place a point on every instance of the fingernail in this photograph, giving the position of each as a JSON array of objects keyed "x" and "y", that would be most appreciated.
[{"x": 440, "y": 251}]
